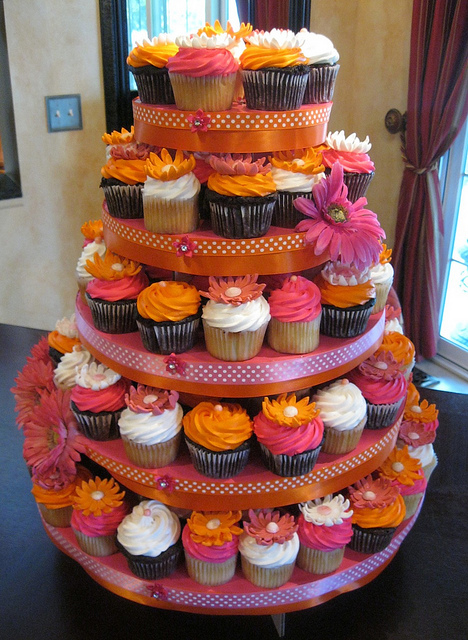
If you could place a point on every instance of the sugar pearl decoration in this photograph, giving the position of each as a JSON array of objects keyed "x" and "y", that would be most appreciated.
[
  {"x": 413, "y": 435},
  {"x": 232, "y": 292},
  {"x": 290, "y": 412},
  {"x": 381, "y": 365},
  {"x": 369, "y": 495},
  {"x": 149, "y": 399},
  {"x": 398, "y": 467},
  {"x": 324, "y": 509},
  {"x": 97, "y": 495},
  {"x": 117, "y": 266},
  {"x": 416, "y": 409},
  {"x": 213, "y": 524},
  {"x": 272, "y": 527}
]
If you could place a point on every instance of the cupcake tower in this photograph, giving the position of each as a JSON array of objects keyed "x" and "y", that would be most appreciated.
[{"x": 234, "y": 472}]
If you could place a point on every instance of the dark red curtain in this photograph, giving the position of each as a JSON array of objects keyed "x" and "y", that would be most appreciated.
[
  {"x": 437, "y": 109},
  {"x": 279, "y": 14}
]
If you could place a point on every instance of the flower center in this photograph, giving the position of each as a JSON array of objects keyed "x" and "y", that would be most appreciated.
[
  {"x": 218, "y": 408},
  {"x": 369, "y": 495},
  {"x": 272, "y": 527},
  {"x": 413, "y": 435},
  {"x": 97, "y": 495},
  {"x": 52, "y": 438},
  {"x": 232, "y": 292},
  {"x": 167, "y": 168},
  {"x": 213, "y": 524},
  {"x": 381, "y": 365},
  {"x": 99, "y": 376},
  {"x": 324, "y": 510},
  {"x": 149, "y": 399},
  {"x": 290, "y": 412},
  {"x": 416, "y": 409},
  {"x": 117, "y": 266},
  {"x": 398, "y": 467},
  {"x": 337, "y": 212}
]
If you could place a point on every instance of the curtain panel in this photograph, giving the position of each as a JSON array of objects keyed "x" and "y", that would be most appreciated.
[{"x": 437, "y": 109}]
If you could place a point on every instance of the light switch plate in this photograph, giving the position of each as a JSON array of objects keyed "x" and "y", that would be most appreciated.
[{"x": 63, "y": 112}]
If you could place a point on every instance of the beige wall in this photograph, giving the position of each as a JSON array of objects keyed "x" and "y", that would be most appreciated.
[
  {"x": 54, "y": 48},
  {"x": 373, "y": 40}
]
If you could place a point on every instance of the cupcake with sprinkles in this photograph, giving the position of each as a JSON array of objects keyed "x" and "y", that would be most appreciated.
[
  {"x": 98, "y": 509},
  {"x": 211, "y": 541},
  {"x": 324, "y": 530},
  {"x": 290, "y": 434},
  {"x": 269, "y": 548},
  {"x": 112, "y": 293}
]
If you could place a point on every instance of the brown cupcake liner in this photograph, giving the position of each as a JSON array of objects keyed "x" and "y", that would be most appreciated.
[
  {"x": 149, "y": 568},
  {"x": 113, "y": 317},
  {"x": 357, "y": 184},
  {"x": 55, "y": 355},
  {"x": 56, "y": 517},
  {"x": 267, "y": 578},
  {"x": 100, "y": 426},
  {"x": 275, "y": 89},
  {"x": 370, "y": 540},
  {"x": 285, "y": 213},
  {"x": 294, "y": 337},
  {"x": 210, "y": 574},
  {"x": 170, "y": 215},
  {"x": 342, "y": 441},
  {"x": 380, "y": 416},
  {"x": 98, "y": 546},
  {"x": 152, "y": 456},
  {"x": 289, "y": 466},
  {"x": 210, "y": 93},
  {"x": 153, "y": 84},
  {"x": 320, "y": 83},
  {"x": 240, "y": 217},
  {"x": 233, "y": 347},
  {"x": 345, "y": 323},
  {"x": 218, "y": 464},
  {"x": 124, "y": 200},
  {"x": 168, "y": 337},
  {"x": 318, "y": 561}
]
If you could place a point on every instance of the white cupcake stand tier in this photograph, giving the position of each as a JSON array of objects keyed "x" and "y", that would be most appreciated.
[{"x": 238, "y": 596}]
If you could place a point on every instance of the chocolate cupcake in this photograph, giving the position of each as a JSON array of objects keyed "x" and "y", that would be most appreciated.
[{"x": 147, "y": 61}]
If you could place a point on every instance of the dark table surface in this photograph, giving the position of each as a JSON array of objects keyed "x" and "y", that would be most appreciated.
[{"x": 421, "y": 595}]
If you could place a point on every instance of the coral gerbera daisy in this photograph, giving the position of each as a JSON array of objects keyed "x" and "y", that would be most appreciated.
[
  {"x": 347, "y": 230},
  {"x": 145, "y": 399},
  {"x": 98, "y": 496},
  {"x": 52, "y": 440},
  {"x": 368, "y": 493},
  {"x": 235, "y": 291},
  {"x": 40, "y": 351},
  {"x": 268, "y": 527},
  {"x": 34, "y": 381}
]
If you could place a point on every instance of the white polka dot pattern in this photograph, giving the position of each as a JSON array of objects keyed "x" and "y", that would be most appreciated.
[{"x": 238, "y": 119}]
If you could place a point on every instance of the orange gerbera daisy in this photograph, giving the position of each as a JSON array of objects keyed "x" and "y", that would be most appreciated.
[
  {"x": 112, "y": 267},
  {"x": 286, "y": 411},
  {"x": 385, "y": 254},
  {"x": 401, "y": 466},
  {"x": 214, "y": 528},
  {"x": 163, "y": 167},
  {"x": 217, "y": 29},
  {"x": 119, "y": 137},
  {"x": 92, "y": 229},
  {"x": 98, "y": 496},
  {"x": 423, "y": 412},
  {"x": 308, "y": 161}
]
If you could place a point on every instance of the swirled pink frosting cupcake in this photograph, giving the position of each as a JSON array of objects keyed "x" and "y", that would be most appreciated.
[
  {"x": 324, "y": 530},
  {"x": 290, "y": 433},
  {"x": 296, "y": 312},
  {"x": 384, "y": 387}
]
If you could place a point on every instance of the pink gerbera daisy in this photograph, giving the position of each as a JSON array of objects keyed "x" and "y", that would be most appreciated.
[
  {"x": 32, "y": 383},
  {"x": 52, "y": 441},
  {"x": 348, "y": 231},
  {"x": 40, "y": 351}
]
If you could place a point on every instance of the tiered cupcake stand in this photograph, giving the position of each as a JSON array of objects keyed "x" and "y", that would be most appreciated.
[{"x": 196, "y": 375}]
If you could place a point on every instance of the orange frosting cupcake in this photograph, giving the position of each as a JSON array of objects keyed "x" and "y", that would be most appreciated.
[
  {"x": 307, "y": 161},
  {"x": 343, "y": 297},
  {"x": 131, "y": 171},
  {"x": 218, "y": 427},
  {"x": 168, "y": 300},
  {"x": 112, "y": 267},
  {"x": 401, "y": 347}
]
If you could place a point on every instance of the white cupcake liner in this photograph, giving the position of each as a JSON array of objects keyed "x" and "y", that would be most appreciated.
[
  {"x": 318, "y": 561},
  {"x": 231, "y": 346},
  {"x": 170, "y": 215},
  {"x": 294, "y": 337},
  {"x": 264, "y": 577},
  {"x": 210, "y": 93},
  {"x": 210, "y": 574}
]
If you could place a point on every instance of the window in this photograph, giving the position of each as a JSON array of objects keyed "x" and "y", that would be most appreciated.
[
  {"x": 148, "y": 18},
  {"x": 453, "y": 344},
  {"x": 9, "y": 166}
]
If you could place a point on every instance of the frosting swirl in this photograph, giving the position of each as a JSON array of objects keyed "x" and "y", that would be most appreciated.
[
  {"x": 218, "y": 427},
  {"x": 342, "y": 405},
  {"x": 149, "y": 530},
  {"x": 147, "y": 428},
  {"x": 298, "y": 300},
  {"x": 168, "y": 300},
  {"x": 155, "y": 52},
  {"x": 199, "y": 62},
  {"x": 248, "y": 316}
]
